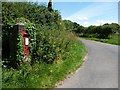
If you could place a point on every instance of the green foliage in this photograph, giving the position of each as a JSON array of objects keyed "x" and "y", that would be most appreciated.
[
  {"x": 102, "y": 32},
  {"x": 37, "y": 14},
  {"x": 31, "y": 30},
  {"x": 114, "y": 39},
  {"x": 44, "y": 75},
  {"x": 69, "y": 25},
  {"x": 20, "y": 48},
  {"x": 48, "y": 39},
  {"x": 108, "y": 33},
  {"x": 45, "y": 34},
  {"x": 49, "y": 43},
  {"x": 114, "y": 26},
  {"x": 97, "y": 32},
  {"x": 52, "y": 44}
]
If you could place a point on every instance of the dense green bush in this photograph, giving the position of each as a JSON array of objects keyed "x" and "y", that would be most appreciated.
[
  {"x": 52, "y": 44},
  {"x": 102, "y": 32},
  {"x": 44, "y": 75},
  {"x": 48, "y": 39},
  {"x": 49, "y": 43}
]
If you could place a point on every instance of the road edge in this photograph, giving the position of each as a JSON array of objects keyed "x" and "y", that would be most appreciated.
[{"x": 72, "y": 73}]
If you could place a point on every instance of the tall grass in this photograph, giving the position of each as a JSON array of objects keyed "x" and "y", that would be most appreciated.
[
  {"x": 114, "y": 39},
  {"x": 53, "y": 52},
  {"x": 44, "y": 75},
  {"x": 52, "y": 44}
]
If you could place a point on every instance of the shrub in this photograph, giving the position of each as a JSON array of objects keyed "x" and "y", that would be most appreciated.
[
  {"x": 48, "y": 39},
  {"x": 52, "y": 44},
  {"x": 103, "y": 32}
]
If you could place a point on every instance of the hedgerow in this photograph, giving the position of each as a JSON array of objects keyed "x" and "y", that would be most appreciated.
[
  {"x": 51, "y": 47},
  {"x": 48, "y": 39}
]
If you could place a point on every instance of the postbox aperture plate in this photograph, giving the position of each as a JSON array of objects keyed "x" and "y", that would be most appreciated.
[{"x": 26, "y": 41}]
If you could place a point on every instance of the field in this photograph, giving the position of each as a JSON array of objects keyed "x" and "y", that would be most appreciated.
[{"x": 115, "y": 40}]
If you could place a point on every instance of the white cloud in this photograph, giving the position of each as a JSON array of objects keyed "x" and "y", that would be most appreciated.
[
  {"x": 97, "y": 22},
  {"x": 93, "y": 10},
  {"x": 86, "y": 23},
  {"x": 87, "y": 16},
  {"x": 101, "y": 22},
  {"x": 82, "y": 18},
  {"x": 77, "y": 19}
]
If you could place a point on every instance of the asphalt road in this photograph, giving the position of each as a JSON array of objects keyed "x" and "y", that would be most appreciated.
[{"x": 100, "y": 69}]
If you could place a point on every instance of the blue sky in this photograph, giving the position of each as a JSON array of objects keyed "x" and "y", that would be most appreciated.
[{"x": 88, "y": 13}]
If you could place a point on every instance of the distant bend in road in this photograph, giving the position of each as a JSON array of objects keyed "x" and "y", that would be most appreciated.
[{"x": 100, "y": 69}]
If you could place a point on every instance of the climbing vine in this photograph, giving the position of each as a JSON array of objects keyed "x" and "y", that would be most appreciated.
[{"x": 30, "y": 29}]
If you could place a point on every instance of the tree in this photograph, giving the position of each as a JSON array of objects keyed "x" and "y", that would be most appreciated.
[
  {"x": 50, "y": 6},
  {"x": 114, "y": 26},
  {"x": 103, "y": 32}
]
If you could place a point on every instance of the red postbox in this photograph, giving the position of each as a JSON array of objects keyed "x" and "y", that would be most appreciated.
[
  {"x": 26, "y": 43},
  {"x": 21, "y": 28}
]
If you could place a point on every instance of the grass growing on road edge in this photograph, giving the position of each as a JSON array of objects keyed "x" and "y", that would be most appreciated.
[
  {"x": 115, "y": 40},
  {"x": 44, "y": 75}
]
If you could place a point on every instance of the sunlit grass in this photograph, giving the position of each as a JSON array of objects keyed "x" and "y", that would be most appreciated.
[
  {"x": 44, "y": 75},
  {"x": 115, "y": 40}
]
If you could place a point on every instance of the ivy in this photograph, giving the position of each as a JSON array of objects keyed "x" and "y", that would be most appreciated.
[
  {"x": 20, "y": 48},
  {"x": 31, "y": 30},
  {"x": 48, "y": 39}
]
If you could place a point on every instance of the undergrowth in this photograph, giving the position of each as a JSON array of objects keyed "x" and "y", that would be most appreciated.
[{"x": 44, "y": 75}]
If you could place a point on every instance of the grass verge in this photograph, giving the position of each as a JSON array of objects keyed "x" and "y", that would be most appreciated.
[
  {"x": 44, "y": 75},
  {"x": 115, "y": 40}
]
